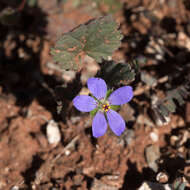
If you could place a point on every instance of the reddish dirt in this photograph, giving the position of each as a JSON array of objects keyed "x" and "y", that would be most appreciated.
[{"x": 28, "y": 103}]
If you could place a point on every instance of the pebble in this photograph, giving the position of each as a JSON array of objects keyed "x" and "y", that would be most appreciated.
[
  {"x": 68, "y": 76},
  {"x": 141, "y": 119},
  {"x": 162, "y": 177},
  {"x": 183, "y": 40},
  {"x": 98, "y": 185},
  {"x": 152, "y": 154},
  {"x": 154, "y": 186},
  {"x": 15, "y": 188},
  {"x": 75, "y": 119},
  {"x": 173, "y": 140},
  {"x": 53, "y": 133},
  {"x": 154, "y": 136},
  {"x": 127, "y": 137},
  {"x": 67, "y": 152}
]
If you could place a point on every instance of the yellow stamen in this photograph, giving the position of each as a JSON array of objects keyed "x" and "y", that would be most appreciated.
[{"x": 105, "y": 107}]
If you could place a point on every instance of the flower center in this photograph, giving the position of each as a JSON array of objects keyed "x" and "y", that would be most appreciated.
[{"x": 105, "y": 107}]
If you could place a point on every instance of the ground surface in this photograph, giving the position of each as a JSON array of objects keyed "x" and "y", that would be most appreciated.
[{"x": 28, "y": 101}]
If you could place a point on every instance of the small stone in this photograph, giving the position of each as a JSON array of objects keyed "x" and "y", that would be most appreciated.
[
  {"x": 154, "y": 186},
  {"x": 75, "y": 119},
  {"x": 68, "y": 76},
  {"x": 15, "y": 188},
  {"x": 98, "y": 185},
  {"x": 152, "y": 154},
  {"x": 154, "y": 136},
  {"x": 173, "y": 140},
  {"x": 183, "y": 40},
  {"x": 53, "y": 133},
  {"x": 184, "y": 137},
  {"x": 141, "y": 119},
  {"x": 159, "y": 57},
  {"x": 67, "y": 152},
  {"x": 162, "y": 177},
  {"x": 127, "y": 137},
  {"x": 181, "y": 149},
  {"x": 144, "y": 186},
  {"x": 3, "y": 184}
]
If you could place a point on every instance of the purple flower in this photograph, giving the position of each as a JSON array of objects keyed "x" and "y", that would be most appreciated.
[{"x": 104, "y": 104}]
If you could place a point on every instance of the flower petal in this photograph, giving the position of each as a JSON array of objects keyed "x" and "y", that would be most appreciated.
[
  {"x": 84, "y": 103},
  {"x": 116, "y": 122},
  {"x": 97, "y": 87},
  {"x": 99, "y": 125},
  {"x": 121, "y": 95}
]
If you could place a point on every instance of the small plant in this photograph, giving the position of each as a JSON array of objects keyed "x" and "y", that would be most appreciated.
[
  {"x": 98, "y": 39},
  {"x": 121, "y": 73},
  {"x": 102, "y": 103},
  {"x": 179, "y": 184}
]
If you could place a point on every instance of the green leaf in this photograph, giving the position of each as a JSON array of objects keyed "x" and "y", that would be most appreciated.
[
  {"x": 147, "y": 78},
  {"x": 170, "y": 105},
  {"x": 179, "y": 184},
  {"x": 182, "y": 186},
  {"x": 115, "y": 107},
  {"x": 175, "y": 94},
  {"x": 117, "y": 73},
  {"x": 97, "y": 39},
  {"x": 176, "y": 184},
  {"x": 31, "y": 3},
  {"x": 93, "y": 112},
  {"x": 183, "y": 91},
  {"x": 163, "y": 109},
  {"x": 108, "y": 93}
]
